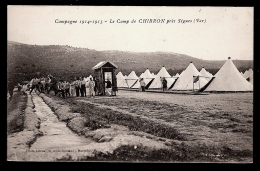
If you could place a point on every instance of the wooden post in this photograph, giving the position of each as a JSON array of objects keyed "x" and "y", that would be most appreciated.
[
  {"x": 102, "y": 81},
  {"x": 192, "y": 84},
  {"x": 199, "y": 82}
]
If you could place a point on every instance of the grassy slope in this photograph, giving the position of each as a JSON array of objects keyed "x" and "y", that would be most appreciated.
[{"x": 67, "y": 61}]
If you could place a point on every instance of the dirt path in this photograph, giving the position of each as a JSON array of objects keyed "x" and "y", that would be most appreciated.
[
  {"x": 57, "y": 137},
  {"x": 59, "y": 143},
  {"x": 55, "y": 133}
]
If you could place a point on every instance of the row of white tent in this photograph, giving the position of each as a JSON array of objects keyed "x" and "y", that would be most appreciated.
[{"x": 227, "y": 78}]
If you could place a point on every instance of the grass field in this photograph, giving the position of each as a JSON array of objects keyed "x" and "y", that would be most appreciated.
[{"x": 214, "y": 124}]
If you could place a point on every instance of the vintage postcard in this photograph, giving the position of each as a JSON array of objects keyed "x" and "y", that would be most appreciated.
[{"x": 130, "y": 83}]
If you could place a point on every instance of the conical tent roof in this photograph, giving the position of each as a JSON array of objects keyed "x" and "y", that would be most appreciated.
[
  {"x": 249, "y": 76},
  {"x": 245, "y": 74},
  {"x": 141, "y": 76},
  {"x": 185, "y": 80},
  {"x": 177, "y": 75},
  {"x": 119, "y": 75},
  {"x": 147, "y": 76},
  {"x": 211, "y": 75},
  {"x": 157, "y": 80},
  {"x": 131, "y": 79},
  {"x": 250, "y": 79},
  {"x": 248, "y": 73},
  {"x": 228, "y": 78},
  {"x": 121, "y": 82},
  {"x": 132, "y": 75},
  {"x": 205, "y": 73}
]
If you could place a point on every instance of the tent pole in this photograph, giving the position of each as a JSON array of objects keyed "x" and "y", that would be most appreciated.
[
  {"x": 199, "y": 82},
  {"x": 193, "y": 84}
]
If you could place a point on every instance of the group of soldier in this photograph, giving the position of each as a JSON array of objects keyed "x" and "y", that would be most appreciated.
[{"x": 64, "y": 88}]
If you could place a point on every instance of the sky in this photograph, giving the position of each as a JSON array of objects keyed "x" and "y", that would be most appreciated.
[{"x": 222, "y": 32}]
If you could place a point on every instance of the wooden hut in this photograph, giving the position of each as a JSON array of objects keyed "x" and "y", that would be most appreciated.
[{"x": 105, "y": 70}]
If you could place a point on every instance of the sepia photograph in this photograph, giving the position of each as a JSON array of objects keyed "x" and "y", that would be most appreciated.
[{"x": 156, "y": 84}]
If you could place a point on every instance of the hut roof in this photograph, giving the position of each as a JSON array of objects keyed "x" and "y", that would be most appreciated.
[{"x": 102, "y": 63}]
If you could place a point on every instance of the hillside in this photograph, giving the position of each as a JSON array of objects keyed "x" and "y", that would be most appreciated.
[{"x": 25, "y": 60}]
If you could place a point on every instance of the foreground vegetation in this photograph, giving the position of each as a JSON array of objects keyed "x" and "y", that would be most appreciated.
[
  {"x": 15, "y": 112},
  {"x": 190, "y": 147}
]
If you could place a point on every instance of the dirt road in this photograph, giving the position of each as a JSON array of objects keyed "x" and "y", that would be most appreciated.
[{"x": 55, "y": 133}]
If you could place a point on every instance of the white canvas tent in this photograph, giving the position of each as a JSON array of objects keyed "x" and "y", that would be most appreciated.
[
  {"x": 121, "y": 81},
  {"x": 249, "y": 76},
  {"x": 156, "y": 84},
  {"x": 141, "y": 76},
  {"x": 250, "y": 79},
  {"x": 246, "y": 74},
  {"x": 147, "y": 76},
  {"x": 131, "y": 79},
  {"x": 206, "y": 74},
  {"x": 177, "y": 75},
  {"x": 185, "y": 80},
  {"x": 210, "y": 74},
  {"x": 228, "y": 78}
]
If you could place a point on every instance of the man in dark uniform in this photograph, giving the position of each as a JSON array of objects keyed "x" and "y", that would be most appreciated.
[
  {"x": 108, "y": 87},
  {"x": 95, "y": 87},
  {"x": 164, "y": 83}
]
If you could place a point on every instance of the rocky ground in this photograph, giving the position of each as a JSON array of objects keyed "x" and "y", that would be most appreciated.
[{"x": 134, "y": 126}]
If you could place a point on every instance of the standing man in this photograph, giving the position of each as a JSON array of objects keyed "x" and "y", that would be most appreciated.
[
  {"x": 91, "y": 88},
  {"x": 164, "y": 84},
  {"x": 77, "y": 86},
  {"x": 72, "y": 88},
  {"x": 83, "y": 87},
  {"x": 67, "y": 88},
  {"x": 35, "y": 84},
  {"x": 108, "y": 87},
  {"x": 61, "y": 87},
  {"x": 95, "y": 87},
  {"x": 42, "y": 85},
  {"x": 142, "y": 83}
]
